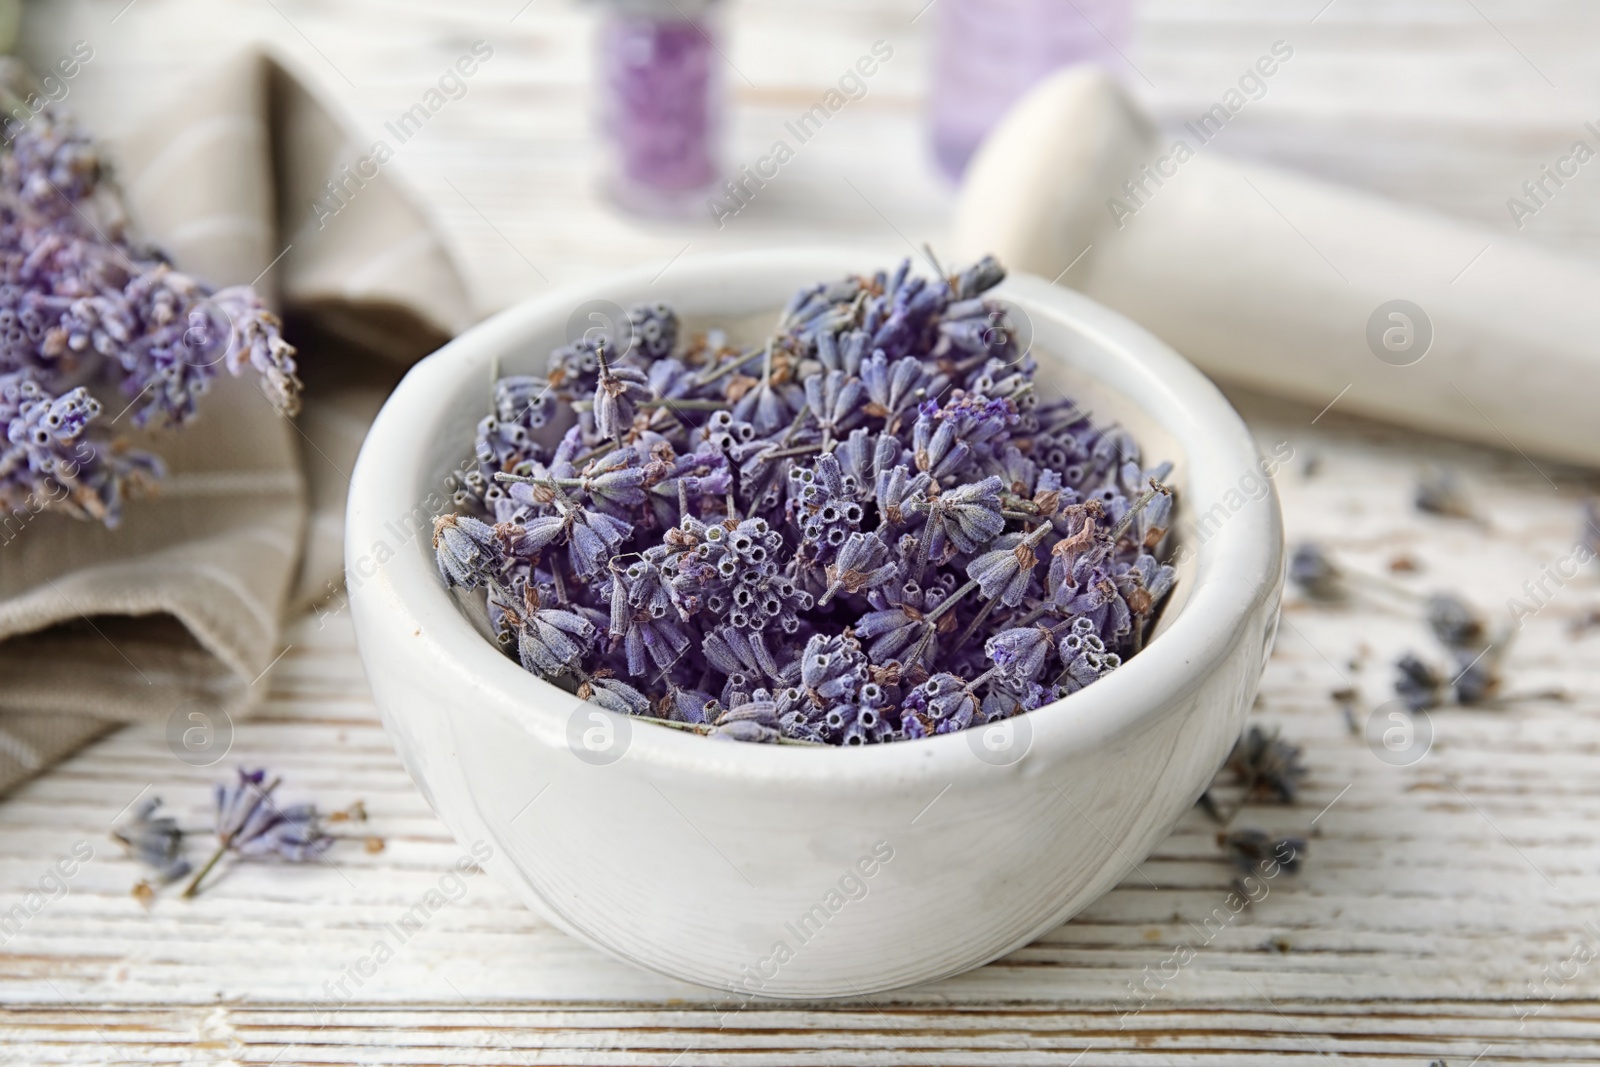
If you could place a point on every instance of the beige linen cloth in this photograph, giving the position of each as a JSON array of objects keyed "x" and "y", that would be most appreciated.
[{"x": 179, "y": 608}]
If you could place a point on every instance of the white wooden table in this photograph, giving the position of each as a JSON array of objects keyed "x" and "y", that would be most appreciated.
[{"x": 1432, "y": 895}]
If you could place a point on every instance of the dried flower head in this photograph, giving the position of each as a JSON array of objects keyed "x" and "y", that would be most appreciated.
[
  {"x": 155, "y": 841},
  {"x": 1256, "y": 851},
  {"x": 1454, "y": 622},
  {"x": 1268, "y": 766},
  {"x": 1418, "y": 684},
  {"x": 1439, "y": 492},
  {"x": 1311, "y": 568},
  {"x": 251, "y": 825}
]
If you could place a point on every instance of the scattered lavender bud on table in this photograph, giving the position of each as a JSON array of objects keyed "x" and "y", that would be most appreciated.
[
  {"x": 868, "y": 528},
  {"x": 1418, "y": 684},
  {"x": 1439, "y": 492},
  {"x": 155, "y": 841},
  {"x": 251, "y": 825},
  {"x": 1476, "y": 677},
  {"x": 1346, "y": 698},
  {"x": 1268, "y": 766},
  {"x": 1454, "y": 622},
  {"x": 1255, "y": 851},
  {"x": 1313, "y": 571}
]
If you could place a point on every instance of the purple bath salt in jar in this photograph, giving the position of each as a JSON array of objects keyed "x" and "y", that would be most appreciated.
[
  {"x": 659, "y": 83},
  {"x": 988, "y": 53}
]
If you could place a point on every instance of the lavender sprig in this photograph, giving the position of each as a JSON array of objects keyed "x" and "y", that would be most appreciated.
[
  {"x": 83, "y": 306},
  {"x": 251, "y": 825}
]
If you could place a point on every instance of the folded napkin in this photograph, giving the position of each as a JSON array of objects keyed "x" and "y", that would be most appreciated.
[{"x": 178, "y": 609}]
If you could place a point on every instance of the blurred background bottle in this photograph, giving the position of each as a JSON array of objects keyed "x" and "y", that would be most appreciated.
[
  {"x": 988, "y": 53},
  {"x": 661, "y": 108}
]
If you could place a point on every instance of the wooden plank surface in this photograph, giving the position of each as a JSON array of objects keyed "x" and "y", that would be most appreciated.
[{"x": 1432, "y": 895}]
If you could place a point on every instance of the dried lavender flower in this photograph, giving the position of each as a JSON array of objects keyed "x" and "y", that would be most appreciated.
[
  {"x": 1268, "y": 766},
  {"x": 1439, "y": 492},
  {"x": 83, "y": 304},
  {"x": 466, "y": 549},
  {"x": 1314, "y": 571},
  {"x": 1418, "y": 684},
  {"x": 805, "y": 541},
  {"x": 1454, "y": 622},
  {"x": 155, "y": 841},
  {"x": 1477, "y": 674},
  {"x": 1252, "y": 850},
  {"x": 251, "y": 825},
  {"x": 616, "y": 393}
]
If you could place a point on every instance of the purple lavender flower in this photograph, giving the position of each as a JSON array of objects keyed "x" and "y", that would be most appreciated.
[
  {"x": 842, "y": 353},
  {"x": 467, "y": 550},
  {"x": 1084, "y": 656},
  {"x": 1002, "y": 699},
  {"x": 864, "y": 457},
  {"x": 900, "y": 496},
  {"x": 1005, "y": 571},
  {"x": 655, "y": 330},
  {"x": 251, "y": 825},
  {"x": 892, "y": 631},
  {"x": 614, "y": 695},
  {"x": 1269, "y": 767},
  {"x": 834, "y": 401},
  {"x": 966, "y": 518},
  {"x": 1019, "y": 654},
  {"x": 937, "y": 445},
  {"x": 1313, "y": 571},
  {"x": 80, "y": 303},
  {"x": 946, "y": 700},
  {"x": 1418, "y": 684},
  {"x": 617, "y": 393},
  {"x": 1454, "y": 622},
  {"x": 863, "y": 563},
  {"x": 832, "y": 669},
  {"x": 552, "y": 641},
  {"x": 155, "y": 840},
  {"x": 688, "y": 705},
  {"x": 615, "y": 482},
  {"x": 594, "y": 537},
  {"x": 894, "y": 388},
  {"x": 979, "y": 278}
]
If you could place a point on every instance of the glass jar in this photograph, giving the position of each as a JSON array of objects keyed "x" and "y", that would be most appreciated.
[
  {"x": 988, "y": 53},
  {"x": 660, "y": 85}
]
